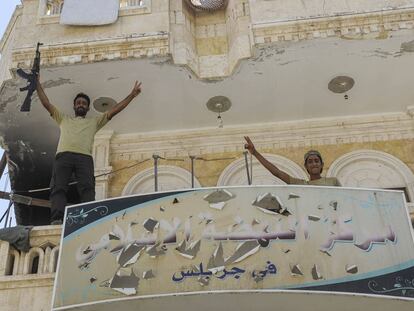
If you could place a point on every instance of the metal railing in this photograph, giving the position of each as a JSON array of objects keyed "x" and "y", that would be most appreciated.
[{"x": 40, "y": 259}]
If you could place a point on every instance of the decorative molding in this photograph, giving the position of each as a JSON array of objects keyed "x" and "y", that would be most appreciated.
[
  {"x": 344, "y": 26},
  {"x": 121, "y": 47},
  {"x": 101, "y": 190},
  {"x": 372, "y": 169},
  {"x": 27, "y": 281},
  {"x": 48, "y": 19},
  {"x": 169, "y": 178},
  {"x": 101, "y": 149},
  {"x": 101, "y": 156},
  {"x": 292, "y": 134},
  {"x": 41, "y": 234},
  {"x": 235, "y": 173}
]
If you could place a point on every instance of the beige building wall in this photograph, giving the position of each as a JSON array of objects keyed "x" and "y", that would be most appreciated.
[
  {"x": 208, "y": 173},
  {"x": 7, "y": 45},
  {"x": 392, "y": 138},
  {"x": 26, "y": 278},
  {"x": 210, "y": 45}
]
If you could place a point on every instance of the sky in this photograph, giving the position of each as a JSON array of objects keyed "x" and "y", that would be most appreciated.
[{"x": 6, "y": 10}]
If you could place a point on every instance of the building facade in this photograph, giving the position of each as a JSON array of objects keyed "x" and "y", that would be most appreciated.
[{"x": 285, "y": 67}]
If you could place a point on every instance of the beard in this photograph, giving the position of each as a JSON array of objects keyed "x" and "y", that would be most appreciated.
[{"x": 80, "y": 112}]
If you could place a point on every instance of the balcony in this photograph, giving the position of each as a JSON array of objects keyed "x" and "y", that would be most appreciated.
[{"x": 26, "y": 278}]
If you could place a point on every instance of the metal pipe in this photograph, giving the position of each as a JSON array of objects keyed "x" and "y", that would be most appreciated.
[
  {"x": 7, "y": 213},
  {"x": 249, "y": 181},
  {"x": 192, "y": 158},
  {"x": 251, "y": 169},
  {"x": 3, "y": 163},
  {"x": 155, "y": 157}
]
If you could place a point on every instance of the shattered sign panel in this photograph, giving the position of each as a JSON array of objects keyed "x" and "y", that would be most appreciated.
[{"x": 236, "y": 238}]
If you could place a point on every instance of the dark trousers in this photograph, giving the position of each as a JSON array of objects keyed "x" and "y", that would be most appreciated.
[{"x": 66, "y": 164}]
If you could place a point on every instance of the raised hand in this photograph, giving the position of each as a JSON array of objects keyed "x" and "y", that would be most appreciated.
[
  {"x": 249, "y": 145},
  {"x": 137, "y": 89}
]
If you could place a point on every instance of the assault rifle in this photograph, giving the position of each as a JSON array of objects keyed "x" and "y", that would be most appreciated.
[{"x": 31, "y": 80}]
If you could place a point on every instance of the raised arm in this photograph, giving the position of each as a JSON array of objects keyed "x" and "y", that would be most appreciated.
[
  {"x": 269, "y": 166},
  {"x": 125, "y": 102},
  {"x": 42, "y": 96}
]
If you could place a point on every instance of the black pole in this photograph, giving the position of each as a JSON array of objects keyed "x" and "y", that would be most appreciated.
[
  {"x": 7, "y": 214},
  {"x": 3, "y": 163},
  {"x": 251, "y": 169},
  {"x": 155, "y": 157},
  {"x": 249, "y": 181},
  {"x": 192, "y": 170}
]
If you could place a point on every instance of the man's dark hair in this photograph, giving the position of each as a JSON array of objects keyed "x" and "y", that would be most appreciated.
[
  {"x": 312, "y": 152},
  {"x": 82, "y": 95}
]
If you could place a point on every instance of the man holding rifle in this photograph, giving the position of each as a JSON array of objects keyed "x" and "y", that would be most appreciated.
[{"x": 74, "y": 151}]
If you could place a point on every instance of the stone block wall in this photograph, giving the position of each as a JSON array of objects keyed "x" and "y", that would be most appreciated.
[
  {"x": 26, "y": 278},
  {"x": 391, "y": 137}
]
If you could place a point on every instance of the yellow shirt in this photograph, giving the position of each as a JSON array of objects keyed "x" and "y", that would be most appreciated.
[
  {"x": 323, "y": 181},
  {"x": 77, "y": 133}
]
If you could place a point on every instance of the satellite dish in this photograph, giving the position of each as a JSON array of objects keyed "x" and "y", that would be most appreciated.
[{"x": 207, "y": 5}]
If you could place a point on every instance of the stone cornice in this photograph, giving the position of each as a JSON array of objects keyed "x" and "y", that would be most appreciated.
[
  {"x": 352, "y": 26},
  {"x": 26, "y": 281},
  {"x": 42, "y": 234},
  {"x": 356, "y": 129},
  {"x": 122, "y": 47}
]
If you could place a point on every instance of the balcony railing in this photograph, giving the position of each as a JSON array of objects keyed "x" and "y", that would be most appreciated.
[{"x": 40, "y": 259}]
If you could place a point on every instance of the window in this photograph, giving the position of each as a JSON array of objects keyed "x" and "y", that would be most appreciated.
[
  {"x": 124, "y": 4},
  {"x": 373, "y": 169},
  {"x": 51, "y": 9},
  {"x": 54, "y": 7}
]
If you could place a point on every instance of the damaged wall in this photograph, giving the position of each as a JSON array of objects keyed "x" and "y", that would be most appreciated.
[
  {"x": 269, "y": 11},
  {"x": 211, "y": 45}
]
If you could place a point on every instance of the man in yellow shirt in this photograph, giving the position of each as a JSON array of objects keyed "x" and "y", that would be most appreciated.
[
  {"x": 313, "y": 164},
  {"x": 74, "y": 151}
]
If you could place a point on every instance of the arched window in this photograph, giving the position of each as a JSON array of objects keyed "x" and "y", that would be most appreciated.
[
  {"x": 169, "y": 178},
  {"x": 235, "y": 174},
  {"x": 33, "y": 261},
  {"x": 12, "y": 263},
  {"x": 54, "y": 256},
  {"x": 373, "y": 169}
]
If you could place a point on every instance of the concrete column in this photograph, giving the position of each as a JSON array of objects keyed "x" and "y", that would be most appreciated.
[{"x": 101, "y": 154}]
